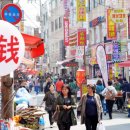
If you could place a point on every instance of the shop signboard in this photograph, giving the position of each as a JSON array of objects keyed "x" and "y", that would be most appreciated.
[
  {"x": 66, "y": 31},
  {"x": 82, "y": 37},
  {"x": 81, "y": 10},
  {"x": 119, "y": 15},
  {"x": 12, "y": 48},
  {"x": 116, "y": 51},
  {"x": 102, "y": 62},
  {"x": 111, "y": 27}
]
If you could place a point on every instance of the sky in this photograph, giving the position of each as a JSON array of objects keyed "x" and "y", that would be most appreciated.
[{"x": 31, "y": 10}]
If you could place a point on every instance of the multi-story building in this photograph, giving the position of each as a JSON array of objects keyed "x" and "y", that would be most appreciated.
[
  {"x": 97, "y": 10},
  {"x": 52, "y": 32}
]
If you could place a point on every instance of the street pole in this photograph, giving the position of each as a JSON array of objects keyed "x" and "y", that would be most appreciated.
[{"x": 7, "y": 107}]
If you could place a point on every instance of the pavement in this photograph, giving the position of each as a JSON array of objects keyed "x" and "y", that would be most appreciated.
[{"x": 120, "y": 121}]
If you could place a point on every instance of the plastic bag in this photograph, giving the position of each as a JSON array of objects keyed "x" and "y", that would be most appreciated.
[
  {"x": 22, "y": 92},
  {"x": 100, "y": 126}
]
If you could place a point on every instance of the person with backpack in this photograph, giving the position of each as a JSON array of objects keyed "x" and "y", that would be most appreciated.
[
  {"x": 110, "y": 94},
  {"x": 99, "y": 88}
]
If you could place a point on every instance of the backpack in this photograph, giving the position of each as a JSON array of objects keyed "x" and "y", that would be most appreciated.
[{"x": 109, "y": 95}]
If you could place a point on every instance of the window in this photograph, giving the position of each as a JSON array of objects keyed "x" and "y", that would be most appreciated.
[
  {"x": 60, "y": 22},
  {"x": 56, "y": 24},
  {"x": 96, "y": 2},
  {"x": 52, "y": 26},
  {"x": 46, "y": 16},
  {"x": 102, "y": 1},
  {"x": 44, "y": 19}
]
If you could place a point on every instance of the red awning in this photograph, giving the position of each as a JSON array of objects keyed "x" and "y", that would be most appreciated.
[
  {"x": 124, "y": 64},
  {"x": 31, "y": 41},
  {"x": 38, "y": 51}
]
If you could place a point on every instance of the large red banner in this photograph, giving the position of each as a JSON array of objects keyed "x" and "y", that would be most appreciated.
[
  {"x": 66, "y": 32},
  {"x": 82, "y": 37}
]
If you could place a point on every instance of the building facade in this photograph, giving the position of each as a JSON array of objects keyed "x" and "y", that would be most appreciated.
[{"x": 97, "y": 10}]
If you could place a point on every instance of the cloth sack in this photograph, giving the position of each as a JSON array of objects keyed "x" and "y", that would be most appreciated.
[{"x": 100, "y": 126}]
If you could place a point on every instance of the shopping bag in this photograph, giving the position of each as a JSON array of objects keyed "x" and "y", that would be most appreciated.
[
  {"x": 100, "y": 126},
  {"x": 56, "y": 114}
]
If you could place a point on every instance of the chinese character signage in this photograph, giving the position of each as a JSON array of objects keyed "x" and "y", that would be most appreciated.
[
  {"x": 119, "y": 15},
  {"x": 81, "y": 10},
  {"x": 66, "y": 32},
  {"x": 111, "y": 27},
  {"x": 81, "y": 37},
  {"x": 128, "y": 26},
  {"x": 116, "y": 51},
  {"x": 12, "y": 48}
]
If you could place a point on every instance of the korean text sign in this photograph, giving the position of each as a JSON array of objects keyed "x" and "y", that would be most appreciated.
[
  {"x": 111, "y": 27},
  {"x": 81, "y": 10},
  {"x": 66, "y": 31},
  {"x": 81, "y": 37},
  {"x": 12, "y": 48}
]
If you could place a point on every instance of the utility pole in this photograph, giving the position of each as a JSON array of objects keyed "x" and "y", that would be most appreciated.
[{"x": 7, "y": 109}]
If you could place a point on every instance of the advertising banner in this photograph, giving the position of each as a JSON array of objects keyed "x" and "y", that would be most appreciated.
[
  {"x": 119, "y": 15},
  {"x": 66, "y": 32},
  {"x": 82, "y": 37},
  {"x": 81, "y": 10},
  {"x": 111, "y": 27},
  {"x": 116, "y": 51},
  {"x": 129, "y": 26},
  {"x": 102, "y": 62},
  {"x": 12, "y": 48}
]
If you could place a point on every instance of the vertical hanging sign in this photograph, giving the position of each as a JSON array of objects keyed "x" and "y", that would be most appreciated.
[
  {"x": 111, "y": 27},
  {"x": 129, "y": 26},
  {"x": 82, "y": 37},
  {"x": 66, "y": 32},
  {"x": 81, "y": 10}
]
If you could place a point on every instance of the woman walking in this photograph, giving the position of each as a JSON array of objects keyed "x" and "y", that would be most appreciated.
[
  {"x": 99, "y": 89},
  {"x": 50, "y": 100},
  {"x": 90, "y": 108},
  {"x": 66, "y": 105},
  {"x": 110, "y": 94}
]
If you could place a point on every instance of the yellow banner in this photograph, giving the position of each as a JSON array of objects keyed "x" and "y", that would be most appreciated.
[{"x": 81, "y": 10}]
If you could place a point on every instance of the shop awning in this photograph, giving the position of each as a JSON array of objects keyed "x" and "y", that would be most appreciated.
[
  {"x": 38, "y": 51},
  {"x": 31, "y": 41},
  {"x": 64, "y": 61},
  {"x": 27, "y": 62},
  {"x": 124, "y": 64}
]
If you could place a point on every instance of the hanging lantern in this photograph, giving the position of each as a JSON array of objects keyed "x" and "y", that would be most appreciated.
[
  {"x": 36, "y": 52},
  {"x": 80, "y": 77}
]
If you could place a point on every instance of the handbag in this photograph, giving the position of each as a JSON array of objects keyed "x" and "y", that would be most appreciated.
[
  {"x": 100, "y": 126},
  {"x": 56, "y": 114}
]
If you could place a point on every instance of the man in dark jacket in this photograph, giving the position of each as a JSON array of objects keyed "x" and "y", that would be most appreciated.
[
  {"x": 125, "y": 88},
  {"x": 47, "y": 86}
]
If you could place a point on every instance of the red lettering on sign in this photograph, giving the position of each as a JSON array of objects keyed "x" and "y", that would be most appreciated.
[{"x": 12, "y": 47}]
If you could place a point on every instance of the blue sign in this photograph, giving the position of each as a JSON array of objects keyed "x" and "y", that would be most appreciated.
[{"x": 11, "y": 13}]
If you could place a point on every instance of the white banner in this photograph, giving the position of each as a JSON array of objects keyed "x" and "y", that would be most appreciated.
[
  {"x": 102, "y": 62},
  {"x": 79, "y": 53}
]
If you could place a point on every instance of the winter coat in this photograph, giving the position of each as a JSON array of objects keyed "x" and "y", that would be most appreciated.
[
  {"x": 50, "y": 100},
  {"x": 63, "y": 113},
  {"x": 82, "y": 107}
]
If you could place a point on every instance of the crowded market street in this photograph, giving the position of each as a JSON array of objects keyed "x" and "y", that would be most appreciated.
[{"x": 64, "y": 64}]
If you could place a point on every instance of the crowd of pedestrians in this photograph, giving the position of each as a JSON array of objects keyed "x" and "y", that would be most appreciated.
[{"x": 61, "y": 92}]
